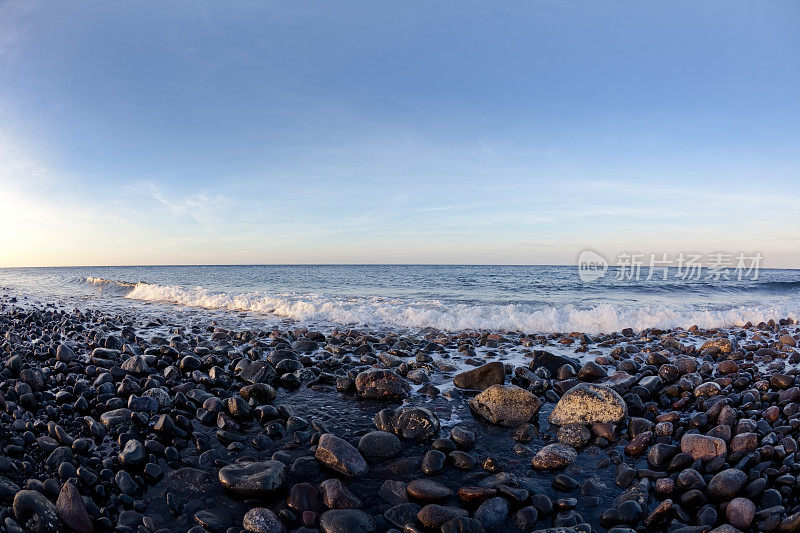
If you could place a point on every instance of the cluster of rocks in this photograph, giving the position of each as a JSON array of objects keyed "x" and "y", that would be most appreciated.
[{"x": 108, "y": 424}]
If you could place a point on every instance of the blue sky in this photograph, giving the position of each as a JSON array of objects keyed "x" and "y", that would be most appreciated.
[{"x": 410, "y": 132}]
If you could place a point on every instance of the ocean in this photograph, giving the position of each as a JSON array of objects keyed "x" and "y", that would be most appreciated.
[{"x": 530, "y": 299}]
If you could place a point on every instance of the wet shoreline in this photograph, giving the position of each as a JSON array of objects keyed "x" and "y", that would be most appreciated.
[{"x": 115, "y": 423}]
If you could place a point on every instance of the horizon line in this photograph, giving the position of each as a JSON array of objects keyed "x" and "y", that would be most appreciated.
[{"x": 342, "y": 264}]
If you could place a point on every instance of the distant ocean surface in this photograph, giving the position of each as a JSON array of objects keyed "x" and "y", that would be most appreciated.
[{"x": 530, "y": 299}]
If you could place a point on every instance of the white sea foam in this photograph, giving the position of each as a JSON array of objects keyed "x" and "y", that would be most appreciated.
[
  {"x": 314, "y": 308},
  {"x": 113, "y": 286}
]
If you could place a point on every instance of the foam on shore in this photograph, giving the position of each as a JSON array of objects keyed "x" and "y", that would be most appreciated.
[{"x": 605, "y": 318}]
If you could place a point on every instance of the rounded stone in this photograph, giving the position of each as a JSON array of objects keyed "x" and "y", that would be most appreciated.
[
  {"x": 262, "y": 520},
  {"x": 433, "y": 462},
  {"x": 336, "y": 495},
  {"x": 575, "y": 435},
  {"x": 415, "y": 423},
  {"x": 506, "y": 405},
  {"x": 379, "y": 445},
  {"x": 703, "y": 447},
  {"x": 72, "y": 510},
  {"x": 339, "y": 455},
  {"x": 492, "y": 512},
  {"x": 434, "y": 516},
  {"x": 346, "y": 521},
  {"x": 740, "y": 513},
  {"x": 253, "y": 479},
  {"x": 588, "y": 403},
  {"x": 428, "y": 490},
  {"x": 382, "y": 385},
  {"x": 463, "y": 437},
  {"x": 482, "y": 377},
  {"x": 554, "y": 456},
  {"x": 32, "y": 505},
  {"x": 726, "y": 484}
]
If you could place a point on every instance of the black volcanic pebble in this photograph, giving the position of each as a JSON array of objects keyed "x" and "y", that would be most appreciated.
[{"x": 97, "y": 410}]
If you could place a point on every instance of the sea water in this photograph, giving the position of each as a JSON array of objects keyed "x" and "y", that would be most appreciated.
[{"x": 530, "y": 299}]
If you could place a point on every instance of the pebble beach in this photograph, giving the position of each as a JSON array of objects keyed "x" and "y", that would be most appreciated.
[
  {"x": 397, "y": 267},
  {"x": 114, "y": 422}
]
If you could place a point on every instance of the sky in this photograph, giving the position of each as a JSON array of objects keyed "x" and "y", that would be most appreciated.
[{"x": 404, "y": 132}]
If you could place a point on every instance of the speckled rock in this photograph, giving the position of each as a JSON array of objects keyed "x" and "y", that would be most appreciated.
[
  {"x": 415, "y": 423},
  {"x": 554, "y": 456},
  {"x": 588, "y": 403},
  {"x": 346, "y": 521},
  {"x": 506, "y": 405},
  {"x": 382, "y": 385},
  {"x": 262, "y": 520},
  {"x": 33, "y": 506}
]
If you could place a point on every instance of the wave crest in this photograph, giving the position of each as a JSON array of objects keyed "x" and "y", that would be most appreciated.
[{"x": 605, "y": 318}]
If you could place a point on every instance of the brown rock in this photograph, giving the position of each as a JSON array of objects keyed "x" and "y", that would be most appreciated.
[
  {"x": 428, "y": 490},
  {"x": 433, "y": 516},
  {"x": 337, "y": 496},
  {"x": 703, "y": 447},
  {"x": 706, "y": 390},
  {"x": 744, "y": 443},
  {"x": 740, "y": 513},
  {"x": 473, "y": 494},
  {"x": 481, "y": 378},
  {"x": 382, "y": 385},
  {"x": 721, "y": 344},
  {"x": 727, "y": 367},
  {"x": 72, "y": 511},
  {"x": 506, "y": 405},
  {"x": 788, "y": 340},
  {"x": 639, "y": 444}
]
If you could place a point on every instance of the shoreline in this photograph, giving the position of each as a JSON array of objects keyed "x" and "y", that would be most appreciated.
[{"x": 121, "y": 426}]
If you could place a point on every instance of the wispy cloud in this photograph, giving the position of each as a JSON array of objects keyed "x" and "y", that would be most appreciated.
[{"x": 200, "y": 206}]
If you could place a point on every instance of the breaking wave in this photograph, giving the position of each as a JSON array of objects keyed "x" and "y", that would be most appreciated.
[
  {"x": 320, "y": 309},
  {"x": 120, "y": 288}
]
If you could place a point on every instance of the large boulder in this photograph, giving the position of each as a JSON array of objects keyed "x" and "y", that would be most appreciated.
[
  {"x": 481, "y": 378},
  {"x": 506, "y": 405},
  {"x": 588, "y": 403},
  {"x": 382, "y": 385}
]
